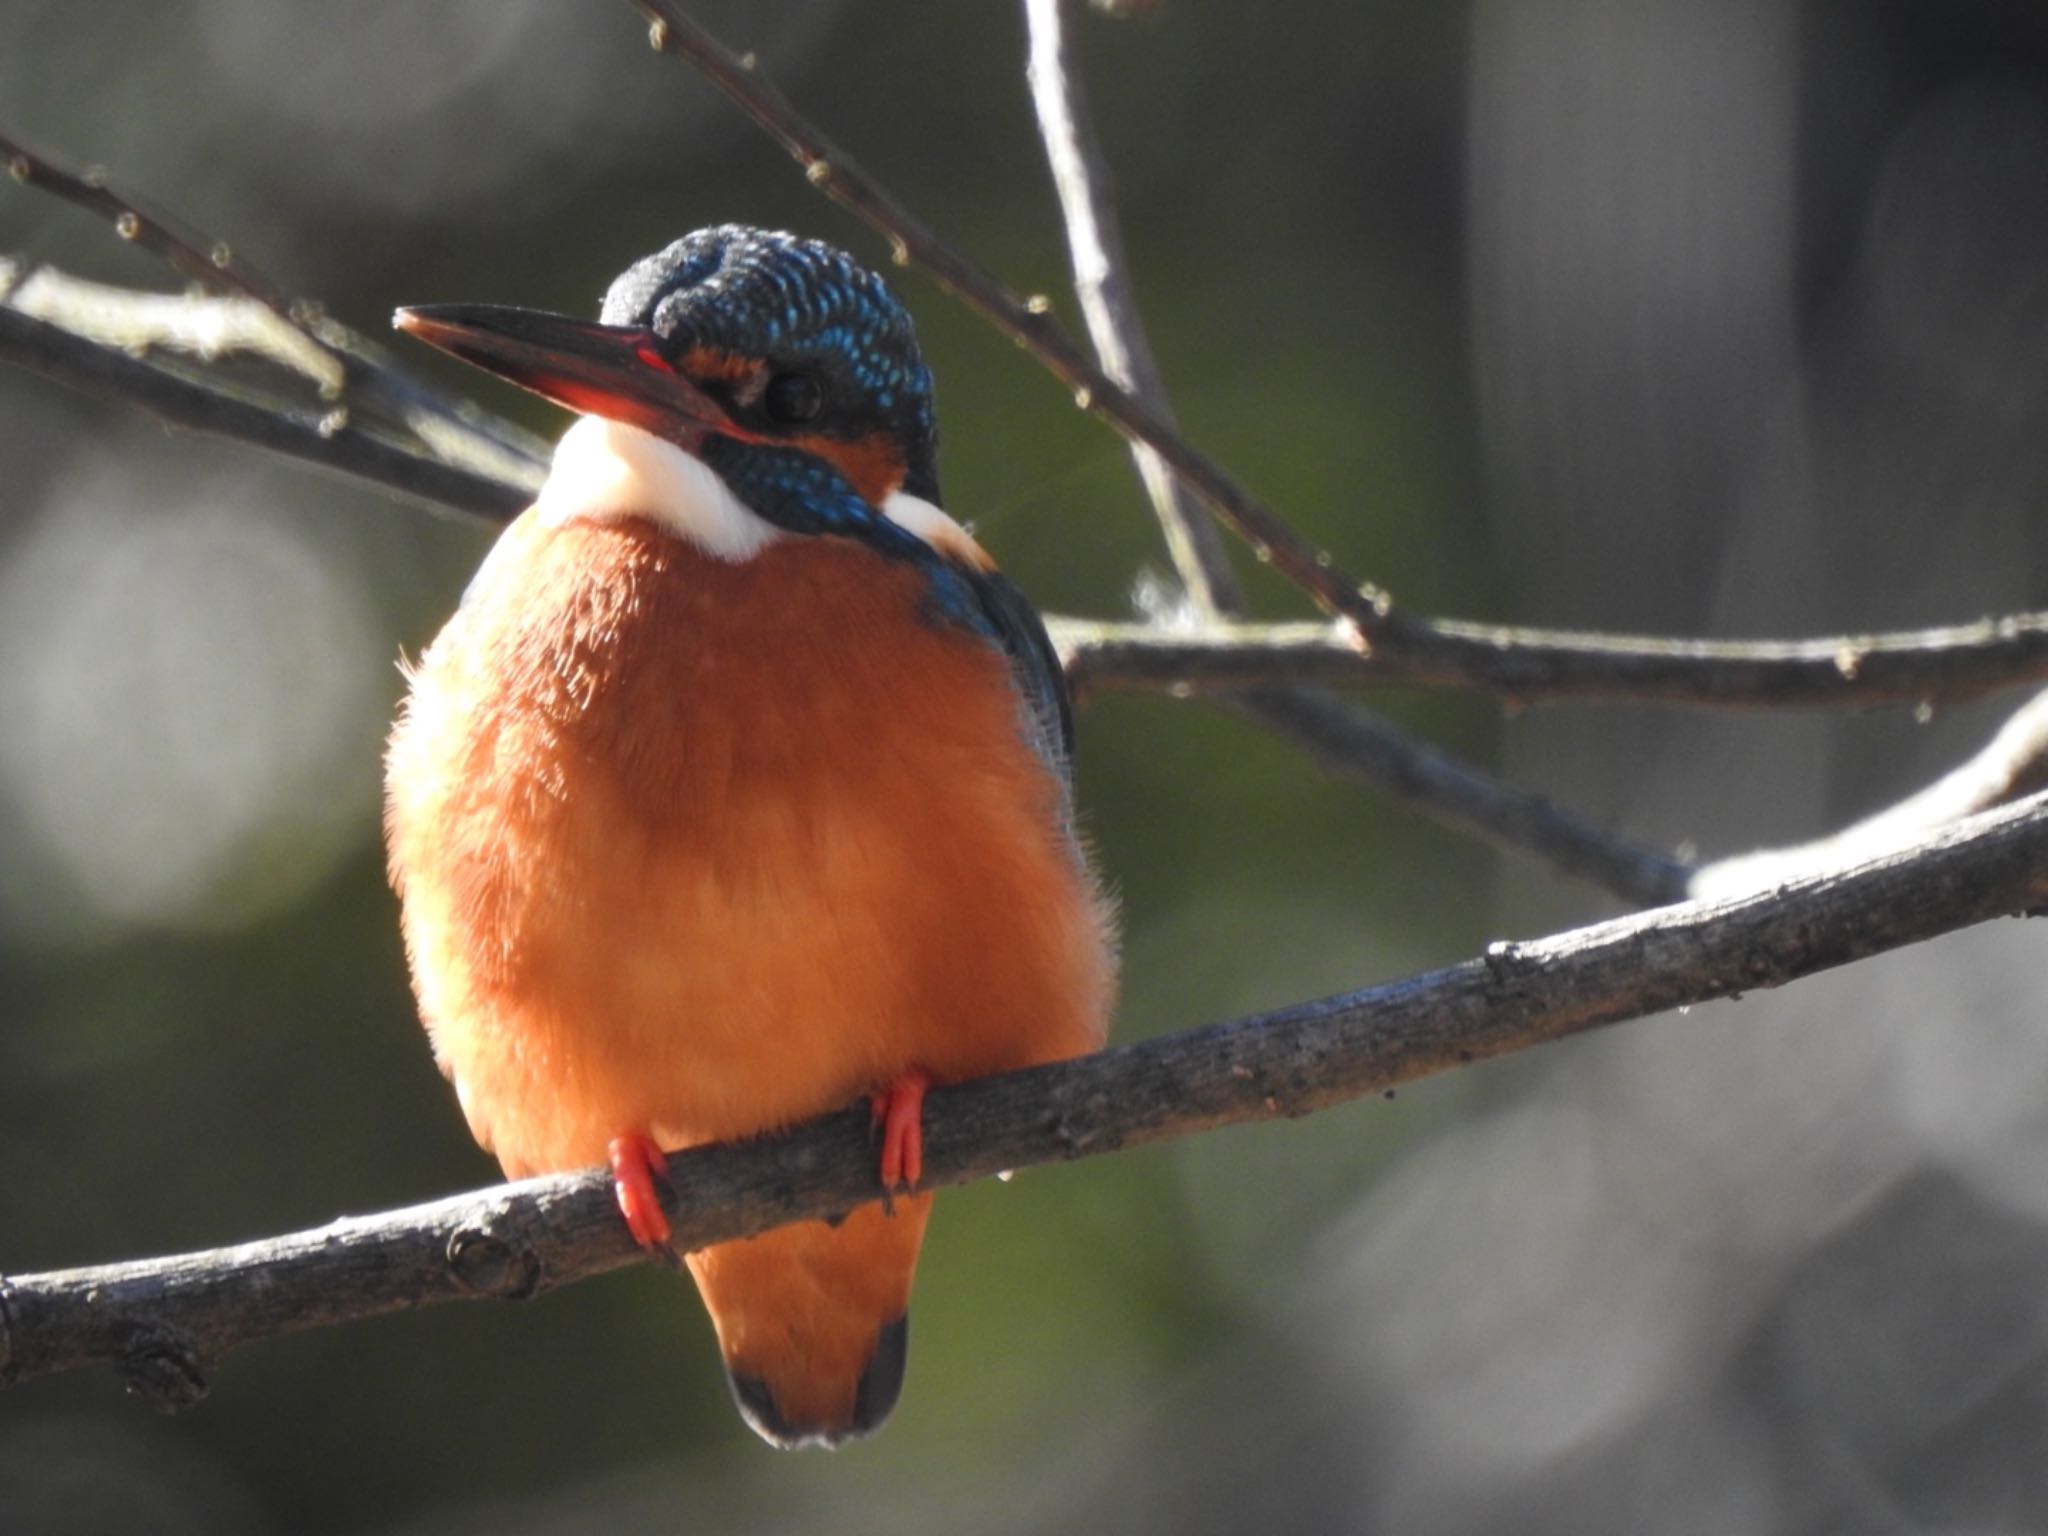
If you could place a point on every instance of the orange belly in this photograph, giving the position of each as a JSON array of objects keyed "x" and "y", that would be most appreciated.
[{"x": 701, "y": 848}]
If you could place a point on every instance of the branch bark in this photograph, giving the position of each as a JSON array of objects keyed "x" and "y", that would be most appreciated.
[
  {"x": 1109, "y": 303},
  {"x": 2013, "y": 763},
  {"x": 165, "y": 1322},
  {"x": 1522, "y": 666},
  {"x": 315, "y": 437},
  {"x": 454, "y": 430}
]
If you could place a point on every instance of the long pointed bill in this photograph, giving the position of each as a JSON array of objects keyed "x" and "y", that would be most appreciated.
[{"x": 600, "y": 370}]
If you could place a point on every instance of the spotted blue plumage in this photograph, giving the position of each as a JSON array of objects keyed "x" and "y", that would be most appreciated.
[{"x": 766, "y": 293}]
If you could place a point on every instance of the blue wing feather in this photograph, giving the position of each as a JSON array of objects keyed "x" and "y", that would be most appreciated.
[{"x": 1034, "y": 666}]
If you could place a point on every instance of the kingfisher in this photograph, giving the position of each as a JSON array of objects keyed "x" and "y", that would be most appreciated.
[{"x": 738, "y": 789}]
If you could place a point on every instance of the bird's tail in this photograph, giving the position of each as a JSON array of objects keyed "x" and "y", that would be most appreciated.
[{"x": 814, "y": 1320}]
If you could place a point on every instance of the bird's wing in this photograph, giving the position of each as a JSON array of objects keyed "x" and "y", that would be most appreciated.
[{"x": 1034, "y": 667}]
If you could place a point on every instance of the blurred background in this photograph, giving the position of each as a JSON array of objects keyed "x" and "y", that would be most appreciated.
[{"x": 1706, "y": 316}]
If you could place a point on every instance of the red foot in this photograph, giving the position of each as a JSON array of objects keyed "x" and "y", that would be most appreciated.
[
  {"x": 639, "y": 1175},
  {"x": 899, "y": 1112}
]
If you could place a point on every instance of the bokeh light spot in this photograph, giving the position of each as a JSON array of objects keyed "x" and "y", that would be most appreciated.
[{"x": 192, "y": 693}]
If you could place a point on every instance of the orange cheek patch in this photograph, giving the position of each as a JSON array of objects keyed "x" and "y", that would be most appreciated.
[
  {"x": 708, "y": 363},
  {"x": 872, "y": 465}
]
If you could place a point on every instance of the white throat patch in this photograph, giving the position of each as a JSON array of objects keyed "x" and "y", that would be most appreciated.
[{"x": 606, "y": 471}]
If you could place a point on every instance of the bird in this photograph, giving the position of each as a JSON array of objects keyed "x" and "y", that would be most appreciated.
[{"x": 738, "y": 788}]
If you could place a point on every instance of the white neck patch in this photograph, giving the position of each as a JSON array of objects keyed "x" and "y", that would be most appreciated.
[
  {"x": 936, "y": 528},
  {"x": 606, "y": 471}
]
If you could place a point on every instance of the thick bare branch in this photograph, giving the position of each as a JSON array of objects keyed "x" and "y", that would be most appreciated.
[
  {"x": 1538, "y": 666},
  {"x": 165, "y": 1322}
]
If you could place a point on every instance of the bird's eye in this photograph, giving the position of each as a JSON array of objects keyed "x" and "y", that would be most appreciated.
[{"x": 793, "y": 399}]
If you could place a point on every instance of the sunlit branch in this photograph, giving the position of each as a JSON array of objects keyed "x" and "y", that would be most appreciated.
[
  {"x": 1109, "y": 302},
  {"x": 2013, "y": 763},
  {"x": 462, "y": 434},
  {"x": 320, "y": 435},
  {"x": 1534, "y": 666}
]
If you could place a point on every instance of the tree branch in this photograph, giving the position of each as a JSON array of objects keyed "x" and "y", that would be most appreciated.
[
  {"x": 319, "y": 437},
  {"x": 1523, "y": 666},
  {"x": 1364, "y": 748},
  {"x": 1109, "y": 303},
  {"x": 87, "y": 335},
  {"x": 206, "y": 328},
  {"x": 1520, "y": 665},
  {"x": 2013, "y": 763},
  {"x": 165, "y": 1322},
  {"x": 457, "y": 431}
]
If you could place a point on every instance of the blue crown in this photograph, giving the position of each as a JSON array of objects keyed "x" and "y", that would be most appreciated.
[{"x": 766, "y": 293}]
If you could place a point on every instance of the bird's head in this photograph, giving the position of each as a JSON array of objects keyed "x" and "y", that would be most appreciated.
[{"x": 780, "y": 363}]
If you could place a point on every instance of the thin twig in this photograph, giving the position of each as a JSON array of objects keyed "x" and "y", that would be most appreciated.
[
  {"x": 1363, "y": 747},
  {"x": 1536, "y": 666},
  {"x": 327, "y": 438},
  {"x": 165, "y": 1322},
  {"x": 198, "y": 325},
  {"x": 1109, "y": 303},
  {"x": 212, "y": 264},
  {"x": 2013, "y": 763},
  {"x": 1521, "y": 666},
  {"x": 458, "y": 431}
]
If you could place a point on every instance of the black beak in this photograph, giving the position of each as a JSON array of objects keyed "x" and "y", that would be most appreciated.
[{"x": 601, "y": 370}]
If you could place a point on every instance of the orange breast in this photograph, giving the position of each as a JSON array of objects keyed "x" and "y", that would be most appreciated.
[{"x": 703, "y": 848}]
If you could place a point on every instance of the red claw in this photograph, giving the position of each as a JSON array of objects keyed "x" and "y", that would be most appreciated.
[
  {"x": 899, "y": 1111},
  {"x": 639, "y": 1176}
]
